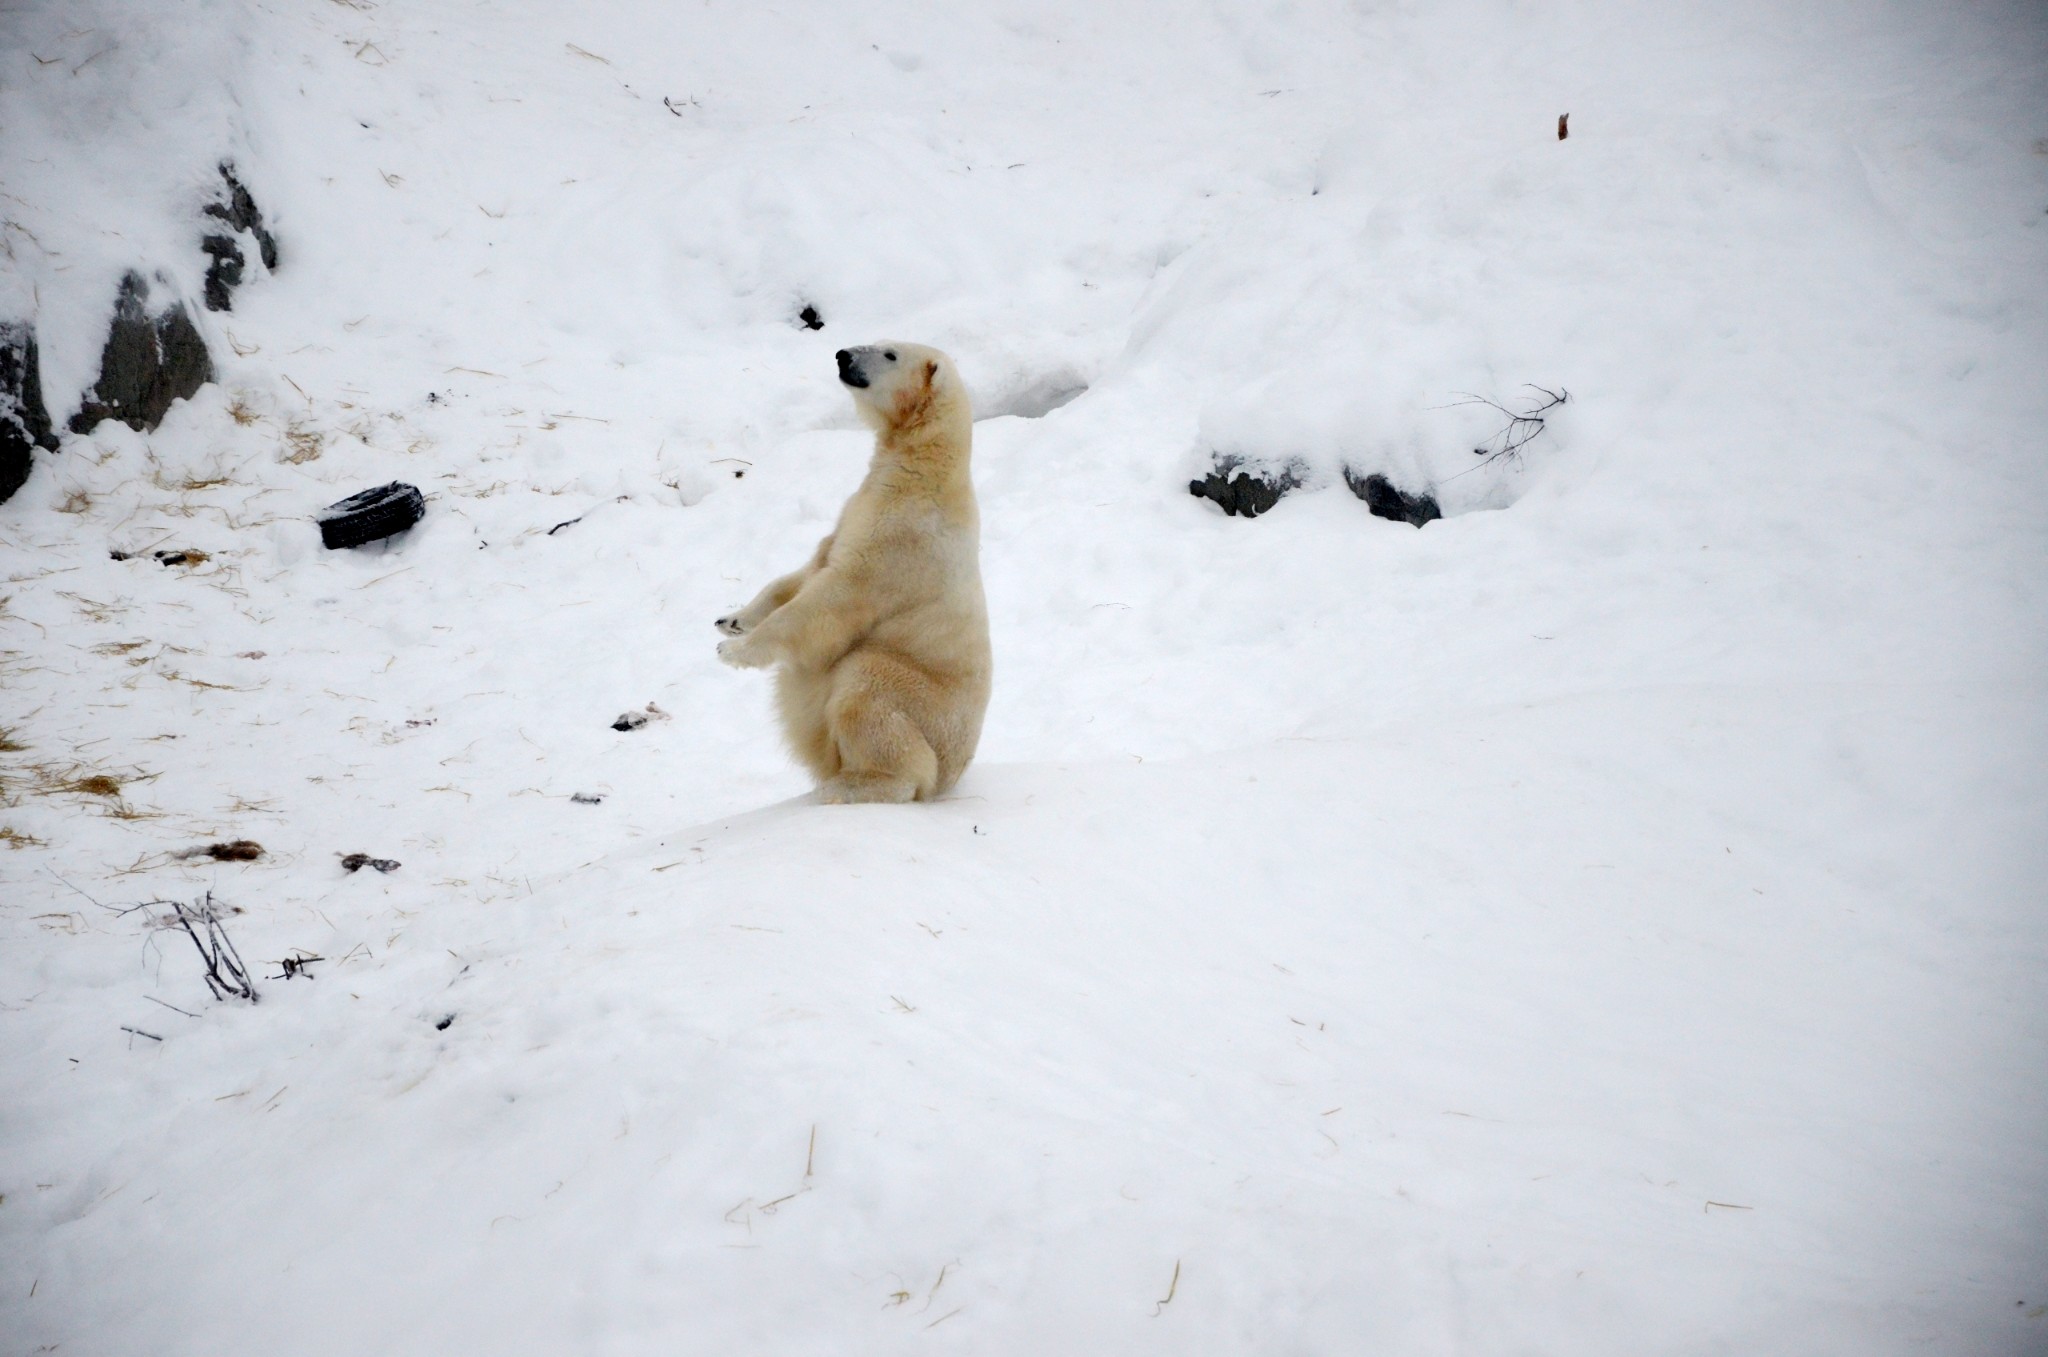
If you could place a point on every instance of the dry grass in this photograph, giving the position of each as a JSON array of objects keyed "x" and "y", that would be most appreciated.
[
  {"x": 175, "y": 677},
  {"x": 14, "y": 838},
  {"x": 8, "y": 744},
  {"x": 240, "y": 411},
  {"x": 74, "y": 780},
  {"x": 94, "y": 609},
  {"x": 77, "y": 502},
  {"x": 302, "y": 445},
  {"x": 92, "y": 784}
]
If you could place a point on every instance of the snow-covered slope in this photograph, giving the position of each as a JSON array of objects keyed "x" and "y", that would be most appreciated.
[{"x": 1606, "y": 920}]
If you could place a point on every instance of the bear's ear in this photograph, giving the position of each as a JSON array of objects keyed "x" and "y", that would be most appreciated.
[{"x": 931, "y": 373}]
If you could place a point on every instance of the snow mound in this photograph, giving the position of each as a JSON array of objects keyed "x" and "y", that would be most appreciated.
[{"x": 1610, "y": 925}]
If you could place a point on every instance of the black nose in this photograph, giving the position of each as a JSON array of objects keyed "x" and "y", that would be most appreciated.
[
  {"x": 845, "y": 357},
  {"x": 848, "y": 373}
]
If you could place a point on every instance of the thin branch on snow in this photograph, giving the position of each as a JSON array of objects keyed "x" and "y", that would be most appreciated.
[
  {"x": 1523, "y": 427},
  {"x": 226, "y": 975}
]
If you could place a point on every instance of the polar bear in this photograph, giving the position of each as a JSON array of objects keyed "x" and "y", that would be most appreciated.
[{"x": 880, "y": 640}]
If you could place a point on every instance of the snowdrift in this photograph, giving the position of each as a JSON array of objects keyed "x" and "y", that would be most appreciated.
[{"x": 1604, "y": 920}]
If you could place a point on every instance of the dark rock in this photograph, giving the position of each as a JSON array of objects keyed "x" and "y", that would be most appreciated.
[
  {"x": 15, "y": 459},
  {"x": 24, "y": 419},
  {"x": 148, "y": 362},
  {"x": 238, "y": 211},
  {"x": 1245, "y": 492},
  {"x": 1387, "y": 500},
  {"x": 224, "y": 274},
  {"x": 810, "y": 319}
]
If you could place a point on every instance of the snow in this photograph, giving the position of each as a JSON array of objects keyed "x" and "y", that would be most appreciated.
[{"x": 1606, "y": 920}]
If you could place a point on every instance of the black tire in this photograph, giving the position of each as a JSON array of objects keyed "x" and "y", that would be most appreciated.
[{"x": 371, "y": 515}]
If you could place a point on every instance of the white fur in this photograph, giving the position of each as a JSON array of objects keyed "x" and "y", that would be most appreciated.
[{"x": 880, "y": 640}]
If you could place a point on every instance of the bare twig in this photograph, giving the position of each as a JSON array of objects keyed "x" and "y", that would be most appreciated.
[
  {"x": 1523, "y": 427},
  {"x": 226, "y": 976},
  {"x": 73, "y": 889},
  {"x": 298, "y": 964}
]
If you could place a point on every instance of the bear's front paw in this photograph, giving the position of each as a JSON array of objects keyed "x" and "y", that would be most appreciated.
[
  {"x": 739, "y": 654},
  {"x": 730, "y": 625}
]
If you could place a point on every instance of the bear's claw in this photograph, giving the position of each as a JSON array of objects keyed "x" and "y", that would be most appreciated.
[{"x": 729, "y": 625}]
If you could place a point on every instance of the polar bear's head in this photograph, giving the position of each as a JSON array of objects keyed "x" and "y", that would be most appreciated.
[{"x": 899, "y": 386}]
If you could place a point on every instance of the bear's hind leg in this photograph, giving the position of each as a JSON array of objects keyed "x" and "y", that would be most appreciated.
[
  {"x": 802, "y": 699},
  {"x": 883, "y": 756}
]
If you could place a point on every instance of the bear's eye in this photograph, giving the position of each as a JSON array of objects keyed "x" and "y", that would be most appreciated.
[{"x": 889, "y": 354}]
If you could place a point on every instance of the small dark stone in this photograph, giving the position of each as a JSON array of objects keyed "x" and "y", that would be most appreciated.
[
  {"x": 631, "y": 720},
  {"x": 810, "y": 318},
  {"x": 148, "y": 362},
  {"x": 354, "y": 862},
  {"x": 586, "y": 798},
  {"x": 224, "y": 274},
  {"x": 1244, "y": 493},
  {"x": 442, "y": 1025},
  {"x": 24, "y": 419},
  {"x": 1387, "y": 500}
]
